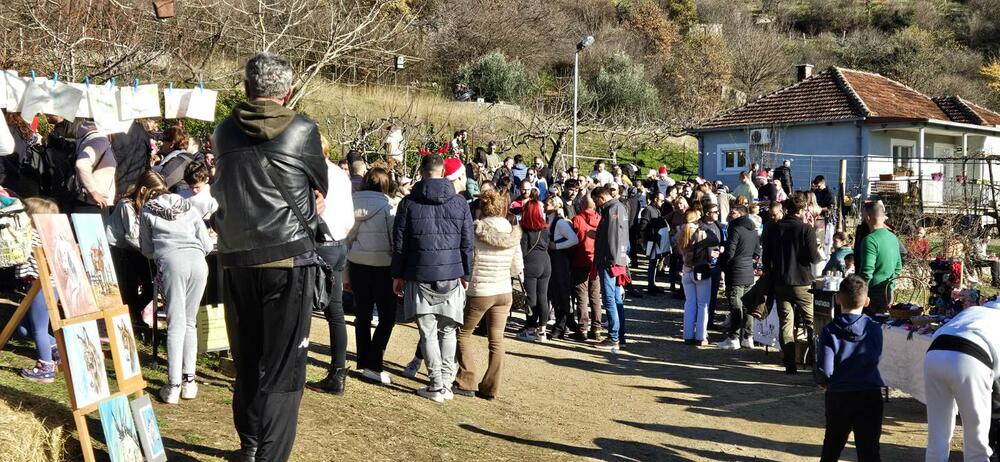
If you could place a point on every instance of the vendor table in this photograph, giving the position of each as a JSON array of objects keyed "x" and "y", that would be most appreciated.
[{"x": 902, "y": 363}]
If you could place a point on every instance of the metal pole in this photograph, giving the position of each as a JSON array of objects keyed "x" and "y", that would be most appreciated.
[
  {"x": 576, "y": 91},
  {"x": 843, "y": 190}
]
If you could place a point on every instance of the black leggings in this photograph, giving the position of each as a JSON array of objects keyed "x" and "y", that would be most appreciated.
[
  {"x": 561, "y": 287},
  {"x": 372, "y": 286},
  {"x": 135, "y": 280},
  {"x": 336, "y": 257},
  {"x": 537, "y": 272}
]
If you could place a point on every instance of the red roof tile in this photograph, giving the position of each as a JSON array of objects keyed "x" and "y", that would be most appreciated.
[
  {"x": 885, "y": 97},
  {"x": 840, "y": 94},
  {"x": 817, "y": 98}
]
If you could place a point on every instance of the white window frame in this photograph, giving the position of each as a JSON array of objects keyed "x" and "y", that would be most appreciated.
[
  {"x": 721, "y": 149},
  {"x": 902, "y": 143}
]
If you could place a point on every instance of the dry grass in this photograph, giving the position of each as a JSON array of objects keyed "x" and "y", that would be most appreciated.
[
  {"x": 25, "y": 438},
  {"x": 341, "y": 110}
]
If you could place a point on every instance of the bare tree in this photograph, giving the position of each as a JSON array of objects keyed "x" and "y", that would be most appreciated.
[{"x": 758, "y": 57}]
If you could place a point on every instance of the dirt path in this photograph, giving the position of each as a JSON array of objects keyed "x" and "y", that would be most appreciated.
[{"x": 659, "y": 401}]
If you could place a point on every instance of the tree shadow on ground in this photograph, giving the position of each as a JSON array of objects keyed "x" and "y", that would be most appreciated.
[{"x": 607, "y": 449}]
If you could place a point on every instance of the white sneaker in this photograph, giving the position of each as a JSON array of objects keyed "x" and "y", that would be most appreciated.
[
  {"x": 378, "y": 377},
  {"x": 729, "y": 344},
  {"x": 412, "y": 368},
  {"x": 434, "y": 395},
  {"x": 170, "y": 394},
  {"x": 747, "y": 343},
  {"x": 189, "y": 389},
  {"x": 527, "y": 336},
  {"x": 447, "y": 394}
]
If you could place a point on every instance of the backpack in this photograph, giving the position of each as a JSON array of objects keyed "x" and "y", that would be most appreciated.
[
  {"x": 60, "y": 182},
  {"x": 15, "y": 235},
  {"x": 173, "y": 169}
]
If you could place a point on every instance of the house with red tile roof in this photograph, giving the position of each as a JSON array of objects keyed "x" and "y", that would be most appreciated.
[{"x": 880, "y": 126}]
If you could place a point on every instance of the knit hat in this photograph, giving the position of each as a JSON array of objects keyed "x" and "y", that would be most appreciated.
[
  {"x": 453, "y": 168},
  {"x": 663, "y": 169}
]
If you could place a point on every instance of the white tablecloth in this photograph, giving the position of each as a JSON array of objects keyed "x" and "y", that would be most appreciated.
[{"x": 902, "y": 363}]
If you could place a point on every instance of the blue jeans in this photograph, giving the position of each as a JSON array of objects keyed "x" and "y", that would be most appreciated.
[
  {"x": 696, "y": 299},
  {"x": 614, "y": 304},
  {"x": 35, "y": 325}
]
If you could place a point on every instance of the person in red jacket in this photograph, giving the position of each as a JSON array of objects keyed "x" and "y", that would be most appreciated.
[{"x": 585, "y": 281}]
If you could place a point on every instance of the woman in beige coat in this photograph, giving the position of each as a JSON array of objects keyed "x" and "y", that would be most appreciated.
[{"x": 496, "y": 259}]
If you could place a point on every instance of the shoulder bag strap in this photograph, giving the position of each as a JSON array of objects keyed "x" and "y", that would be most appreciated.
[{"x": 266, "y": 163}]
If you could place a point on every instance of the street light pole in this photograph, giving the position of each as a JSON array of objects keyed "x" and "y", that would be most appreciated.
[
  {"x": 583, "y": 43},
  {"x": 576, "y": 95}
]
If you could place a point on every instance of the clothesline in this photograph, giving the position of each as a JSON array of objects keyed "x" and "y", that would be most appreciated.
[{"x": 112, "y": 107}]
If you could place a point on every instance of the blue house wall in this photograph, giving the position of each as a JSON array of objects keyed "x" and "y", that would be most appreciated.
[{"x": 814, "y": 149}]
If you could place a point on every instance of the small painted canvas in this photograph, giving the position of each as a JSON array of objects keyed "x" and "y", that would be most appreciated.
[
  {"x": 119, "y": 431},
  {"x": 148, "y": 429},
  {"x": 72, "y": 283},
  {"x": 128, "y": 351},
  {"x": 97, "y": 262},
  {"x": 86, "y": 362}
]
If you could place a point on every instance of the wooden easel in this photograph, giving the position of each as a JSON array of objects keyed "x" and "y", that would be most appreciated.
[{"x": 133, "y": 386}]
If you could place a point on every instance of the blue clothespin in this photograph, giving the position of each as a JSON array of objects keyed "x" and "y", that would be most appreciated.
[
  {"x": 135, "y": 86},
  {"x": 32, "y": 75},
  {"x": 201, "y": 86},
  {"x": 170, "y": 86},
  {"x": 55, "y": 77},
  {"x": 111, "y": 83}
]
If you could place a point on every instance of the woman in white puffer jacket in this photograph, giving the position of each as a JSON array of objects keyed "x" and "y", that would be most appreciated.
[
  {"x": 496, "y": 259},
  {"x": 368, "y": 260}
]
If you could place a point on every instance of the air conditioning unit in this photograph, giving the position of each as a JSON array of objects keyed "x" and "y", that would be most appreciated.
[{"x": 760, "y": 136}]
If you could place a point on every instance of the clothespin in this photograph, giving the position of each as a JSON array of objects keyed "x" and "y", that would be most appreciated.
[
  {"x": 135, "y": 86},
  {"x": 86, "y": 81},
  {"x": 55, "y": 77},
  {"x": 170, "y": 87},
  {"x": 32, "y": 75},
  {"x": 201, "y": 86},
  {"x": 112, "y": 83}
]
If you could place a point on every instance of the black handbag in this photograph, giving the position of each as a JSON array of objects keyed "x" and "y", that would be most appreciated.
[{"x": 324, "y": 277}]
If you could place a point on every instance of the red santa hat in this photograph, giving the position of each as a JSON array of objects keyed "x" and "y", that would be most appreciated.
[
  {"x": 663, "y": 169},
  {"x": 453, "y": 168}
]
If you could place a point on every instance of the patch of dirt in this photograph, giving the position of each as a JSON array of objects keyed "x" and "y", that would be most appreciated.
[{"x": 660, "y": 400}]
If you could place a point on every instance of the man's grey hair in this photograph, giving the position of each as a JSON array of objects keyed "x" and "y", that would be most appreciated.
[{"x": 268, "y": 76}]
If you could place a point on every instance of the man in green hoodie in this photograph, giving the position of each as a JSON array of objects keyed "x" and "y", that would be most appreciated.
[
  {"x": 270, "y": 183},
  {"x": 881, "y": 261}
]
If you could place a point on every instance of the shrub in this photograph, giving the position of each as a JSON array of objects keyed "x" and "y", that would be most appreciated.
[
  {"x": 494, "y": 78},
  {"x": 621, "y": 91}
]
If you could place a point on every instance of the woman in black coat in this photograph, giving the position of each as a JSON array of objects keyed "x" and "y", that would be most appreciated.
[{"x": 742, "y": 249}]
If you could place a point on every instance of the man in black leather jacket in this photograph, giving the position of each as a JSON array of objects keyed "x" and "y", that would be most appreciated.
[{"x": 265, "y": 153}]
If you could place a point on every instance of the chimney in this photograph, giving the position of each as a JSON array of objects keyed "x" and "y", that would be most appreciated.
[{"x": 803, "y": 71}]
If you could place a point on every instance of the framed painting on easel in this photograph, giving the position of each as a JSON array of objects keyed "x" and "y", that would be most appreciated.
[{"x": 72, "y": 283}]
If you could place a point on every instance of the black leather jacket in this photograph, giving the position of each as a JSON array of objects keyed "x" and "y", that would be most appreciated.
[{"x": 254, "y": 222}]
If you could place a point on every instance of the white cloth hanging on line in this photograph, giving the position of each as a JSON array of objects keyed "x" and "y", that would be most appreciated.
[
  {"x": 13, "y": 87},
  {"x": 137, "y": 102},
  {"x": 44, "y": 96},
  {"x": 196, "y": 103},
  {"x": 83, "y": 110},
  {"x": 104, "y": 105}
]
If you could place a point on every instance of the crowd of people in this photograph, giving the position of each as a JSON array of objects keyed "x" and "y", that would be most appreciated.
[{"x": 449, "y": 246}]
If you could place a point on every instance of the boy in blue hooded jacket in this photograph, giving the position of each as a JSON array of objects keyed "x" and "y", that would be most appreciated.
[{"x": 847, "y": 366}]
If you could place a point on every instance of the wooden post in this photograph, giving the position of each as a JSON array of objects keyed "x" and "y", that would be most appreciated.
[
  {"x": 843, "y": 191},
  {"x": 22, "y": 309}
]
